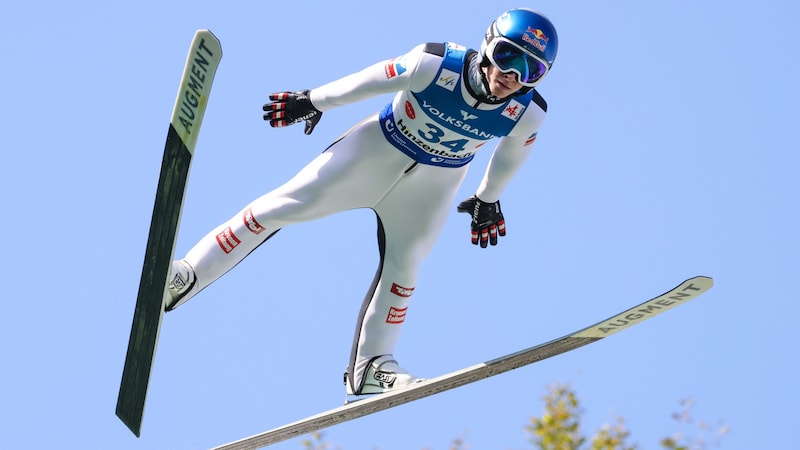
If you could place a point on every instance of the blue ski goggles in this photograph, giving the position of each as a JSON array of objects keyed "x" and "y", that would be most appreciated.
[{"x": 510, "y": 57}]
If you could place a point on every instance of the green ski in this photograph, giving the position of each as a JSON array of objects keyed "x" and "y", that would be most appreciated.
[{"x": 187, "y": 116}]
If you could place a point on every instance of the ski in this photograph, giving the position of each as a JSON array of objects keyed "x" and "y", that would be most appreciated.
[
  {"x": 683, "y": 293},
  {"x": 201, "y": 65}
]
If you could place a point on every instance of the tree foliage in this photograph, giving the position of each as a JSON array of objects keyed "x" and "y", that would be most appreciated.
[
  {"x": 685, "y": 438},
  {"x": 559, "y": 428}
]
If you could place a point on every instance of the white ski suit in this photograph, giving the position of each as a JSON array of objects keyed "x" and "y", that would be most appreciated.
[{"x": 406, "y": 163}]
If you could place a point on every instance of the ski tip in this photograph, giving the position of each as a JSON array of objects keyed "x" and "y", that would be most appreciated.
[
  {"x": 205, "y": 33},
  {"x": 682, "y": 293},
  {"x": 705, "y": 281}
]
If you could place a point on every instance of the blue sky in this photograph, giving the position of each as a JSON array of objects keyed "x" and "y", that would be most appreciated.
[{"x": 669, "y": 151}]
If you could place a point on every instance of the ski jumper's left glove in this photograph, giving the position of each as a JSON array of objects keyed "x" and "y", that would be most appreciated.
[
  {"x": 487, "y": 220},
  {"x": 287, "y": 108}
]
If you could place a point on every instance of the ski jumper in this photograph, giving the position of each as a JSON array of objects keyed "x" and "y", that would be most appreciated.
[{"x": 405, "y": 163}]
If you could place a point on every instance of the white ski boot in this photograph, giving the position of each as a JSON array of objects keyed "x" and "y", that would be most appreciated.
[
  {"x": 181, "y": 280},
  {"x": 383, "y": 374}
]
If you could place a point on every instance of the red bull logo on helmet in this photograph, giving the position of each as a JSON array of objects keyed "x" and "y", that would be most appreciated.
[{"x": 536, "y": 37}]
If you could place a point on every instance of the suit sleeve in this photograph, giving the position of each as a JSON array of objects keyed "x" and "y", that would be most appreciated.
[
  {"x": 510, "y": 154},
  {"x": 385, "y": 77}
]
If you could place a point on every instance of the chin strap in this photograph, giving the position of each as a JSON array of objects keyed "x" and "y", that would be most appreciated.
[{"x": 477, "y": 80}]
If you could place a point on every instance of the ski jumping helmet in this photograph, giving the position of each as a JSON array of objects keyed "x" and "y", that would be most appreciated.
[{"x": 522, "y": 41}]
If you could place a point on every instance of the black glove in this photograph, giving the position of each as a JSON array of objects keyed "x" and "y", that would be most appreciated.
[
  {"x": 287, "y": 108},
  {"x": 487, "y": 220}
]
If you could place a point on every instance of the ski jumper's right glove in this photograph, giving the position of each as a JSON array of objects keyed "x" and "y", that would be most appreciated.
[
  {"x": 287, "y": 108},
  {"x": 487, "y": 220}
]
